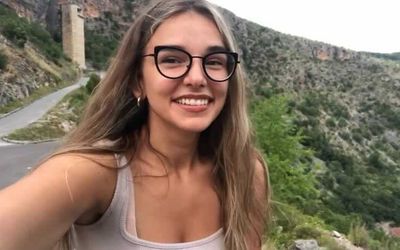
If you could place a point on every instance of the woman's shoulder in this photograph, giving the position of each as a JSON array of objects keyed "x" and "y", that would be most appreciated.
[
  {"x": 88, "y": 177},
  {"x": 58, "y": 192},
  {"x": 89, "y": 167},
  {"x": 89, "y": 159},
  {"x": 261, "y": 177}
]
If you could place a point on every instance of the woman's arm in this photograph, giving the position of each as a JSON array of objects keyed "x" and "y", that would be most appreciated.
[{"x": 36, "y": 211}]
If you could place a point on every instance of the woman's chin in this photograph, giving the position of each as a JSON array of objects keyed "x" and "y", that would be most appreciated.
[{"x": 194, "y": 128}]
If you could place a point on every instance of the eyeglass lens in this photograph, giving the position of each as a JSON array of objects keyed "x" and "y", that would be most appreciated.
[{"x": 174, "y": 63}]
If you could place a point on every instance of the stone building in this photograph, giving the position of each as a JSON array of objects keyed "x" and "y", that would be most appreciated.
[{"x": 73, "y": 37}]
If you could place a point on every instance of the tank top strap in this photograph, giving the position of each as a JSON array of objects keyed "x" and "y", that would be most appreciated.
[{"x": 128, "y": 211}]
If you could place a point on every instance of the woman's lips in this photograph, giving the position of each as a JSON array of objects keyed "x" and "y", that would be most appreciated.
[{"x": 193, "y": 104}]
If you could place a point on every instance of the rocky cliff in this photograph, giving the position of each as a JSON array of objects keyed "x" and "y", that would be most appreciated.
[
  {"x": 28, "y": 70},
  {"x": 31, "y": 9},
  {"x": 31, "y": 60}
]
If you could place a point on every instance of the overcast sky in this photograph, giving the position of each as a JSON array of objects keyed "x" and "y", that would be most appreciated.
[{"x": 361, "y": 25}]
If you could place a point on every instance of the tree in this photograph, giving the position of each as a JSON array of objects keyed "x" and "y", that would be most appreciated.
[{"x": 291, "y": 180}]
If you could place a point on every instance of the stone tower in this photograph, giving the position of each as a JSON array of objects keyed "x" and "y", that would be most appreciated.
[{"x": 72, "y": 23}]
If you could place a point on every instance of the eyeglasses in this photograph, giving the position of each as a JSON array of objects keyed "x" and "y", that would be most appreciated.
[{"x": 174, "y": 63}]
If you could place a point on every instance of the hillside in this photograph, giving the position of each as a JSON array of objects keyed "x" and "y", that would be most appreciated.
[
  {"x": 32, "y": 63},
  {"x": 345, "y": 104}
]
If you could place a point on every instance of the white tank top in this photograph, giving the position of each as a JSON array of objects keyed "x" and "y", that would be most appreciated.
[{"x": 110, "y": 231}]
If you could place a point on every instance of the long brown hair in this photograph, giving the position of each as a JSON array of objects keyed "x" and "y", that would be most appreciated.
[{"x": 112, "y": 114}]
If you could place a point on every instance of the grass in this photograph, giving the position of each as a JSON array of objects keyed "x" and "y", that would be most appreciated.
[
  {"x": 329, "y": 243},
  {"x": 35, "y": 132},
  {"x": 359, "y": 235}
]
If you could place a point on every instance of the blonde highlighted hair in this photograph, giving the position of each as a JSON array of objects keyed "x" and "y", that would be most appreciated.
[{"x": 112, "y": 114}]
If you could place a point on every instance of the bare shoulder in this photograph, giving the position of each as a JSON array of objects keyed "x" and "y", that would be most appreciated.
[
  {"x": 52, "y": 197},
  {"x": 82, "y": 177},
  {"x": 261, "y": 173},
  {"x": 91, "y": 168},
  {"x": 81, "y": 165},
  {"x": 87, "y": 176},
  {"x": 261, "y": 188}
]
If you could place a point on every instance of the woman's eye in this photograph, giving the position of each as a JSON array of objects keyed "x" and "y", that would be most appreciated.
[
  {"x": 214, "y": 62},
  {"x": 170, "y": 60}
]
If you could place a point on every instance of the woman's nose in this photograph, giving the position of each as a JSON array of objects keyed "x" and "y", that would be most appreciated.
[{"x": 196, "y": 75}]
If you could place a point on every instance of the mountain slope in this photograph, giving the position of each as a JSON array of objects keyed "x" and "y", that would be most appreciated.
[{"x": 34, "y": 62}]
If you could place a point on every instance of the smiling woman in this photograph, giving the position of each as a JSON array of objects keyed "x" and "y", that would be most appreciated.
[{"x": 163, "y": 157}]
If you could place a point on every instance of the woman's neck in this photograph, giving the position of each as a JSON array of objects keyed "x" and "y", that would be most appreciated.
[{"x": 178, "y": 147}]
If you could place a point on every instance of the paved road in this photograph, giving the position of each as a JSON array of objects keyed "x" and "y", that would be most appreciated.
[
  {"x": 34, "y": 111},
  {"x": 16, "y": 160}
]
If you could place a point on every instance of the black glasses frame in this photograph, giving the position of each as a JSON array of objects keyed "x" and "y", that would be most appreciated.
[{"x": 157, "y": 49}]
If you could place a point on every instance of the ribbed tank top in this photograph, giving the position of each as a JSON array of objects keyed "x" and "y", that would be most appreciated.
[{"x": 110, "y": 231}]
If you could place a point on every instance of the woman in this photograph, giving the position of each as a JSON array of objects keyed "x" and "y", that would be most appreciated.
[{"x": 163, "y": 157}]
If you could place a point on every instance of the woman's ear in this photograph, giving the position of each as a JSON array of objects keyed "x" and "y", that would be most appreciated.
[
  {"x": 138, "y": 90},
  {"x": 136, "y": 93}
]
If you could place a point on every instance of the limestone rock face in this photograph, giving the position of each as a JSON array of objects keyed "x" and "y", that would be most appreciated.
[
  {"x": 31, "y": 9},
  {"x": 38, "y": 9},
  {"x": 306, "y": 245},
  {"x": 332, "y": 53}
]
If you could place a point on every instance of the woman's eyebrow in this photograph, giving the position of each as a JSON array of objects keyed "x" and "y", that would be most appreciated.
[
  {"x": 210, "y": 49},
  {"x": 216, "y": 48}
]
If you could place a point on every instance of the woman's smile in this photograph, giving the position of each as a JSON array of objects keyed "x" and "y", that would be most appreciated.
[{"x": 193, "y": 103}]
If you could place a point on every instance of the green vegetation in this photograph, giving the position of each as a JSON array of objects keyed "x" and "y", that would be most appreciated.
[
  {"x": 390, "y": 56},
  {"x": 387, "y": 113},
  {"x": 3, "y": 61},
  {"x": 19, "y": 31},
  {"x": 372, "y": 196},
  {"x": 309, "y": 200},
  {"x": 58, "y": 73},
  {"x": 48, "y": 132},
  {"x": 292, "y": 172},
  {"x": 99, "y": 48},
  {"x": 292, "y": 180},
  {"x": 359, "y": 235},
  {"x": 92, "y": 83}
]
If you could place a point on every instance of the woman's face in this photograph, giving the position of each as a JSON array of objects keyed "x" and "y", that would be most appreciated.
[{"x": 191, "y": 102}]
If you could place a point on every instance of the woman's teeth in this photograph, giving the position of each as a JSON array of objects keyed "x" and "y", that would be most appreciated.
[{"x": 192, "y": 102}]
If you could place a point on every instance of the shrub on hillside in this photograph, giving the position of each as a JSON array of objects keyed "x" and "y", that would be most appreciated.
[
  {"x": 3, "y": 61},
  {"x": 99, "y": 48},
  {"x": 42, "y": 39},
  {"x": 359, "y": 235},
  {"x": 307, "y": 231},
  {"x": 19, "y": 30},
  {"x": 16, "y": 33},
  {"x": 330, "y": 122},
  {"x": 92, "y": 83}
]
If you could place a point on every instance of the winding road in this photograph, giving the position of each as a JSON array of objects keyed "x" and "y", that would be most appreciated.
[{"x": 16, "y": 159}]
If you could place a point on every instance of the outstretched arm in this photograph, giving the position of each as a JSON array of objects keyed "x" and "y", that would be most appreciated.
[{"x": 36, "y": 211}]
